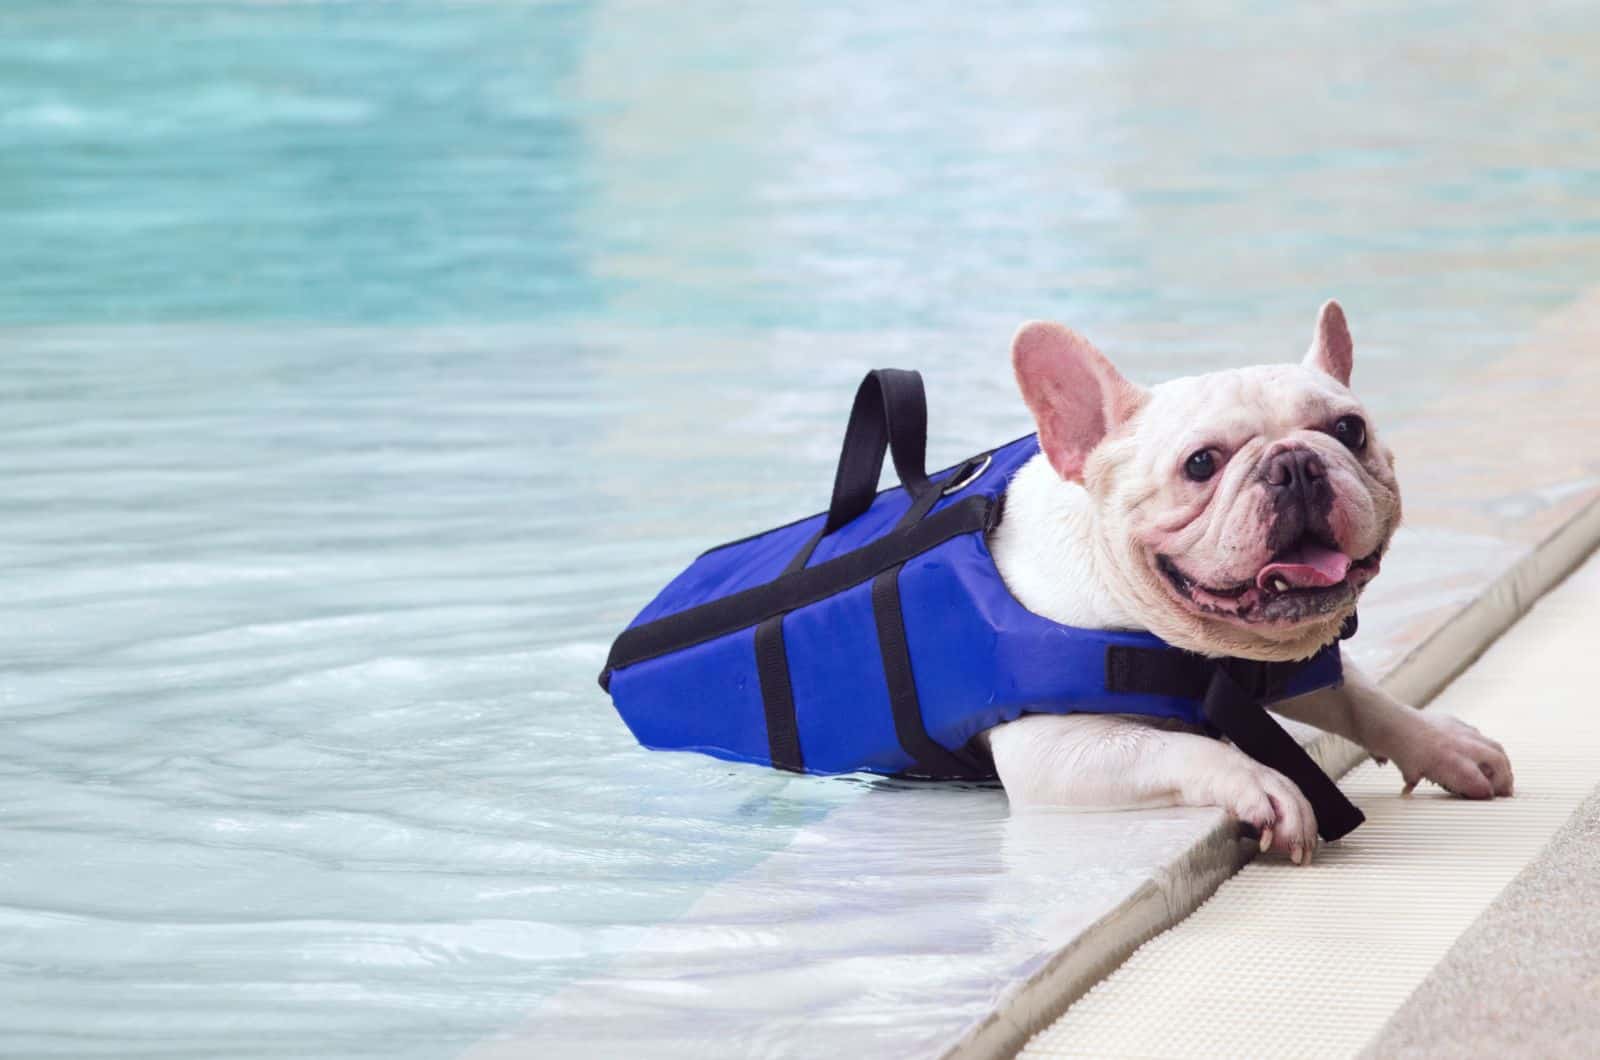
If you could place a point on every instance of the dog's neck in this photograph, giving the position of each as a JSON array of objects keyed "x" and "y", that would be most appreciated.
[{"x": 1045, "y": 550}]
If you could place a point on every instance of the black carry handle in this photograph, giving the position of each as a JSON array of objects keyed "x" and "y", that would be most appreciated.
[{"x": 890, "y": 412}]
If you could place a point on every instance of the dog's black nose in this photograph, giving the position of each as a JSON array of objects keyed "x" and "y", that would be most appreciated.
[{"x": 1293, "y": 470}]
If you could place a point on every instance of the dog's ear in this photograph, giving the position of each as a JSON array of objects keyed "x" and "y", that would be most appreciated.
[
  {"x": 1332, "y": 352},
  {"x": 1074, "y": 393}
]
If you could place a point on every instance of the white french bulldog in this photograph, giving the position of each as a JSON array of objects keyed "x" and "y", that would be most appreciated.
[{"x": 1239, "y": 513}]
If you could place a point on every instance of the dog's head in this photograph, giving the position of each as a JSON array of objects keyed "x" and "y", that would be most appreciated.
[{"x": 1238, "y": 513}]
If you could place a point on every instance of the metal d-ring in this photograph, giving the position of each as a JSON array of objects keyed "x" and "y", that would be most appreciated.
[{"x": 970, "y": 477}]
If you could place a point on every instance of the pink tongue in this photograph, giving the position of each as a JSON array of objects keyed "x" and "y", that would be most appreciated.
[{"x": 1307, "y": 567}]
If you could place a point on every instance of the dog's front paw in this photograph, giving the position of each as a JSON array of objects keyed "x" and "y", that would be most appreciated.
[
  {"x": 1455, "y": 756},
  {"x": 1270, "y": 802}
]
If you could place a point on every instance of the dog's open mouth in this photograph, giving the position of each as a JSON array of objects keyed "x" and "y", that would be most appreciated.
[{"x": 1306, "y": 580}]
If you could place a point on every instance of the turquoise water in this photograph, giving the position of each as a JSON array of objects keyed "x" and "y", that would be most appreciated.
[{"x": 365, "y": 367}]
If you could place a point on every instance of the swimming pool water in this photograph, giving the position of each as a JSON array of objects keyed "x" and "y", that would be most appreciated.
[{"x": 367, "y": 367}]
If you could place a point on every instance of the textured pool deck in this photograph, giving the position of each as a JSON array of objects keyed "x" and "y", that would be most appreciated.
[
  {"x": 1525, "y": 978},
  {"x": 833, "y": 944}
]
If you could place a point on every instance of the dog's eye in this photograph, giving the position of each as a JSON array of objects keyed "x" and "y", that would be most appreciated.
[
  {"x": 1201, "y": 465},
  {"x": 1352, "y": 431}
]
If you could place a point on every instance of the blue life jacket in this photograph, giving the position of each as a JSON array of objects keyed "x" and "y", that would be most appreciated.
[{"x": 878, "y": 636}]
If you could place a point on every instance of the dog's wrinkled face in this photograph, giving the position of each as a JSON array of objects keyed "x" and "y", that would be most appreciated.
[
  {"x": 1237, "y": 513},
  {"x": 1252, "y": 505}
]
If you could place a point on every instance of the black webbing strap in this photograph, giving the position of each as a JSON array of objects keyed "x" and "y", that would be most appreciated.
[
  {"x": 932, "y": 758},
  {"x": 1242, "y": 719},
  {"x": 921, "y": 505},
  {"x": 789, "y": 591},
  {"x": 890, "y": 412},
  {"x": 777, "y": 697},
  {"x": 799, "y": 560},
  {"x": 1232, "y": 692},
  {"x": 1157, "y": 671},
  {"x": 772, "y": 670}
]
